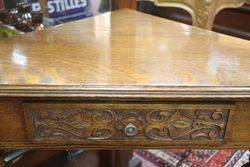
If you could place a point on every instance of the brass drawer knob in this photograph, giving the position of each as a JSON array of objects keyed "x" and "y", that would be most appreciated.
[{"x": 130, "y": 130}]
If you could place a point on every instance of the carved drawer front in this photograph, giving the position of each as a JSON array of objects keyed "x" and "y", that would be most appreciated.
[{"x": 80, "y": 122}]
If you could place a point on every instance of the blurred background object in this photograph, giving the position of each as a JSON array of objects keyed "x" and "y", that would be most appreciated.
[
  {"x": 233, "y": 18},
  {"x": 1, "y": 4},
  {"x": 6, "y": 32},
  {"x": 57, "y": 12},
  {"x": 202, "y": 12},
  {"x": 137, "y": 158},
  {"x": 30, "y": 15}
]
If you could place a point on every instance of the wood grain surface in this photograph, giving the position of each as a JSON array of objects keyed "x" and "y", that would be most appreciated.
[
  {"x": 124, "y": 50},
  {"x": 124, "y": 58}
]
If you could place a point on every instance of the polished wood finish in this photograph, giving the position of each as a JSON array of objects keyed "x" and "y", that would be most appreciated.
[
  {"x": 123, "y": 62},
  {"x": 119, "y": 54},
  {"x": 234, "y": 22}
]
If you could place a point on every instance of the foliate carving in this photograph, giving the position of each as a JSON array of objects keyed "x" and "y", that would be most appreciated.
[
  {"x": 185, "y": 125},
  {"x": 203, "y": 13},
  {"x": 147, "y": 124},
  {"x": 68, "y": 124}
]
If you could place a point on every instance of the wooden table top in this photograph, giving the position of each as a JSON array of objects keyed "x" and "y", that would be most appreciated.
[{"x": 127, "y": 52}]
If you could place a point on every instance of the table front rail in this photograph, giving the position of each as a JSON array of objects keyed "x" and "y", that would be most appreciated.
[{"x": 103, "y": 125}]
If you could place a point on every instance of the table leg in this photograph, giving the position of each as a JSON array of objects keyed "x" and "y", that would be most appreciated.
[
  {"x": 133, "y": 4},
  {"x": 115, "y": 158},
  {"x": 119, "y": 4},
  {"x": 122, "y": 157},
  {"x": 1, "y": 158}
]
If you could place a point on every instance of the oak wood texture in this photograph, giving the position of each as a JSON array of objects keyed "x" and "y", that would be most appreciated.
[
  {"x": 124, "y": 58},
  {"x": 124, "y": 52}
]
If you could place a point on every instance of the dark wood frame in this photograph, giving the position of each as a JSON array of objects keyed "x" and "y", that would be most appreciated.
[{"x": 119, "y": 4}]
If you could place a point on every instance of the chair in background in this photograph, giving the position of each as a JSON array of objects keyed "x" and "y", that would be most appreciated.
[{"x": 203, "y": 12}]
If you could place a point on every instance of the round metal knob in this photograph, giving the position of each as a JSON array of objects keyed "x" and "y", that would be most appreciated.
[{"x": 130, "y": 130}]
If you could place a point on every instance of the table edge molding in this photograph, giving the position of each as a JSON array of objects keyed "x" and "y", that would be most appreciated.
[{"x": 132, "y": 91}]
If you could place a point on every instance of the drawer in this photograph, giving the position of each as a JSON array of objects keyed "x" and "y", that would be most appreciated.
[{"x": 80, "y": 122}]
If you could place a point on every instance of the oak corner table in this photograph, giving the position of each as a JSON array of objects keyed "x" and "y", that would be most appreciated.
[{"x": 124, "y": 80}]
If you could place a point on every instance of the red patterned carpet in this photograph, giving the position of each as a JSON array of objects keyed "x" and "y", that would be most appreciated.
[{"x": 196, "y": 158}]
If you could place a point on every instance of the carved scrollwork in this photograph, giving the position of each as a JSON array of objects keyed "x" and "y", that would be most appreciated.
[
  {"x": 186, "y": 125},
  {"x": 82, "y": 124},
  {"x": 203, "y": 12},
  {"x": 146, "y": 124}
]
